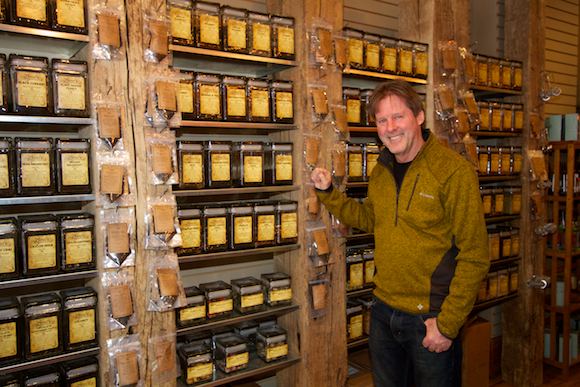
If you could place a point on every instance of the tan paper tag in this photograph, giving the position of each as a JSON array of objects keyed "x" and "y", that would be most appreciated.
[
  {"x": 216, "y": 231},
  {"x": 448, "y": 59},
  {"x": 283, "y": 167},
  {"x": 209, "y": 100},
  {"x": 288, "y": 225},
  {"x": 167, "y": 99},
  {"x": 109, "y": 123},
  {"x": 164, "y": 356},
  {"x": 319, "y": 296},
  {"x": 41, "y": 251},
  {"x": 79, "y": 247},
  {"x": 390, "y": 59},
  {"x": 354, "y": 164},
  {"x": 340, "y": 119},
  {"x": 355, "y": 52},
  {"x": 471, "y": 106},
  {"x": 108, "y": 26},
  {"x": 8, "y": 340},
  {"x": 112, "y": 179},
  {"x": 192, "y": 166},
  {"x": 325, "y": 41},
  {"x": 209, "y": 29},
  {"x": 35, "y": 169},
  {"x": 159, "y": 41},
  {"x": 260, "y": 103},
  {"x": 539, "y": 166},
  {"x": 163, "y": 218},
  {"x": 243, "y": 230},
  {"x": 321, "y": 242},
  {"x": 161, "y": 159},
  {"x": 311, "y": 151},
  {"x": 339, "y": 164},
  {"x": 373, "y": 57},
  {"x": 118, "y": 238},
  {"x": 253, "y": 169},
  {"x": 43, "y": 334},
  {"x": 446, "y": 99},
  {"x": 75, "y": 169},
  {"x": 353, "y": 111},
  {"x": 340, "y": 51},
  {"x": 167, "y": 282},
  {"x": 121, "y": 301},
  {"x": 319, "y": 98},
  {"x": 236, "y": 101},
  {"x": 220, "y": 167},
  {"x": 7, "y": 256},
  {"x": 190, "y": 232},
  {"x": 127, "y": 368},
  {"x": 422, "y": 64},
  {"x": 266, "y": 228},
  {"x": 313, "y": 202}
]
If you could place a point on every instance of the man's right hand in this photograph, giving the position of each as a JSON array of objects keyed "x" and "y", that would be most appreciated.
[{"x": 321, "y": 178}]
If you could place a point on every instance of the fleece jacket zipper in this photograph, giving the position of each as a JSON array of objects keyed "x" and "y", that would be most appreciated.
[{"x": 399, "y": 190}]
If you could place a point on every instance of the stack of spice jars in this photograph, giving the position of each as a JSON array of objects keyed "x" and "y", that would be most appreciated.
[{"x": 497, "y": 73}]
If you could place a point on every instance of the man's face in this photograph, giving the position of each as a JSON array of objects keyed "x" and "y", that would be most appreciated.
[{"x": 399, "y": 129}]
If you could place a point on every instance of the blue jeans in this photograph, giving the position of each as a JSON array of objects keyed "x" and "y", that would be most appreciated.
[{"x": 398, "y": 358}]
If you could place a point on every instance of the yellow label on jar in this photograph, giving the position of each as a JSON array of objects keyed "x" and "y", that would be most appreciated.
[
  {"x": 209, "y": 100},
  {"x": 82, "y": 326},
  {"x": 220, "y": 167},
  {"x": 252, "y": 300},
  {"x": 236, "y": 99},
  {"x": 496, "y": 118},
  {"x": 518, "y": 77},
  {"x": 180, "y": 23},
  {"x": 517, "y": 204},
  {"x": 406, "y": 61},
  {"x": 90, "y": 382},
  {"x": 492, "y": 292},
  {"x": 70, "y": 92},
  {"x": 243, "y": 230},
  {"x": 266, "y": 228},
  {"x": 499, "y": 204},
  {"x": 283, "y": 167},
  {"x": 192, "y": 166},
  {"x": 75, "y": 169},
  {"x": 236, "y": 33},
  {"x": 353, "y": 111},
  {"x": 216, "y": 231},
  {"x": 31, "y": 9},
  {"x": 209, "y": 29},
  {"x": 356, "y": 275},
  {"x": 220, "y": 306},
  {"x": 505, "y": 163},
  {"x": 369, "y": 271},
  {"x": 286, "y": 40},
  {"x": 276, "y": 352},
  {"x": 7, "y": 257},
  {"x": 41, "y": 251},
  {"x": 506, "y": 250},
  {"x": 519, "y": 119},
  {"x": 284, "y": 105},
  {"x": 280, "y": 295},
  {"x": 487, "y": 204},
  {"x": 515, "y": 245},
  {"x": 199, "y": 371},
  {"x": 506, "y": 80},
  {"x": 79, "y": 247},
  {"x": 289, "y": 225},
  {"x": 390, "y": 59},
  {"x": 354, "y": 164},
  {"x": 35, "y": 169},
  {"x": 356, "y": 327},
  {"x": 514, "y": 279},
  {"x": 482, "y": 73},
  {"x": 494, "y": 165},
  {"x": 192, "y": 313},
  {"x": 190, "y": 232},
  {"x": 260, "y": 103},
  {"x": 422, "y": 63},
  {"x": 507, "y": 119},
  {"x": 355, "y": 53},
  {"x": 495, "y": 249},
  {"x": 484, "y": 119},
  {"x": 483, "y": 162},
  {"x": 373, "y": 56},
  {"x": 71, "y": 13},
  {"x": 43, "y": 334},
  {"x": 495, "y": 74},
  {"x": 1, "y": 89},
  {"x": 4, "y": 172},
  {"x": 32, "y": 89},
  {"x": 503, "y": 286},
  {"x": 372, "y": 160},
  {"x": 253, "y": 171},
  {"x": 237, "y": 360},
  {"x": 185, "y": 97},
  {"x": 8, "y": 340},
  {"x": 261, "y": 37}
]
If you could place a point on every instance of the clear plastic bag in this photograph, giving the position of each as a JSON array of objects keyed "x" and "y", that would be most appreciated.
[
  {"x": 467, "y": 65},
  {"x": 321, "y": 42},
  {"x": 163, "y": 359},
  {"x": 340, "y": 45},
  {"x": 467, "y": 100},
  {"x": 156, "y": 37},
  {"x": 162, "y": 224},
  {"x": 115, "y": 182},
  {"x": 165, "y": 285},
  {"x": 162, "y": 110},
  {"x": 318, "y": 248},
  {"x": 318, "y": 297},
  {"x": 109, "y": 26},
  {"x": 311, "y": 151},
  {"x": 338, "y": 153},
  {"x": 318, "y": 101},
  {"x": 339, "y": 229},
  {"x": 119, "y": 290},
  {"x": 110, "y": 125},
  {"x": 124, "y": 358},
  {"x": 339, "y": 122},
  {"x": 444, "y": 99},
  {"x": 312, "y": 203},
  {"x": 118, "y": 229},
  {"x": 161, "y": 157},
  {"x": 448, "y": 55}
]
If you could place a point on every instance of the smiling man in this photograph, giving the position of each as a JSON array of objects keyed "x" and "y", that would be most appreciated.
[{"x": 431, "y": 254}]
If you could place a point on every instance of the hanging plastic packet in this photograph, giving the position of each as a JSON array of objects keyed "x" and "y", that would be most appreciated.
[
  {"x": 163, "y": 358},
  {"x": 467, "y": 65},
  {"x": 165, "y": 285},
  {"x": 313, "y": 210},
  {"x": 109, "y": 25},
  {"x": 539, "y": 171},
  {"x": 162, "y": 109},
  {"x": 448, "y": 55},
  {"x": 318, "y": 297},
  {"x": 163, "y": 230},
  {"x": 338, "y": 153},
  {"x": 460, "y": 121},
  {"x": 339, "y": 229},
  {"x": 444, "y": 101},
  {"x": 110, "y": 125},
  {"x": 161, "y": 157},
  {"x": 115, "y": 182},
  {"x": 321, "y": 42},
  {"x": 340, "y": 45},
  {"x": 119, "y": 289},
  {"x": 311, "y": 153},
  {"x": 318, "y": 98},
  {"x": 339, "y": 122},
  {"x": 471, "y": 151},
  {"x": 467, "y": 99},
  {"x": 156, "y": 37},
  {"x": 318, "y": 249},
  {"x": 124, "y": 358},
  {"x": 118, "y": 229}
]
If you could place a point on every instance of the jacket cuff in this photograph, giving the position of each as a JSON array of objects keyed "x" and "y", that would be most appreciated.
[{"x": 327, "y": 191}]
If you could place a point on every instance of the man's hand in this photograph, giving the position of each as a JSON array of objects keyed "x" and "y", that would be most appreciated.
[
  {"x": 321, "y": 178},
  {"x": 434, "y": 341}
]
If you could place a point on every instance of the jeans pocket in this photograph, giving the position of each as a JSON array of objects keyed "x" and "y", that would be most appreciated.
[{"x": 374, "y": 300}]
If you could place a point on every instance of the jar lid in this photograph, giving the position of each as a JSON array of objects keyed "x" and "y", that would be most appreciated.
[
  {"x": 208, "y": 78},
  {"x": 405, "y": 44},
  {"x": 257, "y": 83},
  {"x": 190, "y": 145},
  {"x": 352, "y": 33},
  {"x": 245, "y": 325},
  {"x": 283, "y": 206},
  {"x": 37, "y": 143},
  {"x": 277, "y": 276},
  {"x": 264, "y": 208},
  {"x": 195, "y": 349},
  {"x": 278, "y": 146},
  {"x": 248, "y": 146},
  {"x": 41, "y": 376},
  {"x": 205, "y": 6},
  {"x": 285, "y": 20},
  {"x": 353, "y": 306},
  {"x": 9, "y": 303},
  {"x": 69, "y": 65},
  {"x": 239, "y": 12},
  {"x": 79, "y": 367},
  {"x": 188, "y": 212},
  {"x": 8, "y": 225},
  {"x": 40, "y": 300},
  {"x": 214, "y": 286},
  {"x": 218, "y": 145},
  {"x": 78, "y": 293},
  {"x": 183, "y": 3},
  {"x": 231, "y": 344},
  {"x": 37, "y": 222},
  {"x": 261, "y": 17},
  {"x": 236, "y": 81},
  {"x": 246, "y": 285},
  {"x": 350, "y": 91},
  {"x": 76, "y": 143},
  {"x": 282, "y": 84},
  {"x": 76, "y": 220},
  {"x": 241, "y": 209},
  {"x": 192, "y": 291},
  {"x": 28, "y": 61},
  {"x": 373, "y": 37},
  {"x": 270, "y": 335},
  {"x": 214, "y": 211}
]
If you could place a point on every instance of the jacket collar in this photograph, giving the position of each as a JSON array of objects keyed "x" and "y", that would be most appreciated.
[{"x": 387, "y": 158}]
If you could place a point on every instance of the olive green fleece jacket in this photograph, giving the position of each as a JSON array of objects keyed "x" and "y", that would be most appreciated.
[{"x": 431, "y": 246}]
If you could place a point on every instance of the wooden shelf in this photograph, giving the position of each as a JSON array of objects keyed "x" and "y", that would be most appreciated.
[
  {"x": 21, "y": 123},
  {"x": 500, "y": 262},
  {"x": 232, "y": 192},
  {"x": 363, "y": 129},
  {"x": 481, "y": 133},
  {"x": 496, "y": 301},
  {"x": 24, "y": 40},
  {"x": 499, "y": 219},
  {"x": 485, "y": 178},
  {"x": 382, "y": 76},
  {"x": 26, "y": 365},
  {"x": 220, "y": 127},
  {"x": 492, "y": 92},
  {"x": 237, "y": 253},
  {"x": 48, "y": 279},
  {"x": 356, "y": 343},
  {"x": 46, "y": 199},
  {"x": 360, "y": 292}
]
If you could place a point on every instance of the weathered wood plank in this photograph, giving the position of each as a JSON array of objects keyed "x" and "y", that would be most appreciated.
[
  {"x": 564, "y": 37},
  {"x": 562, "y": 16},
  {"x": 370, "y": 21},
  {"x": 372, "y": 6},
  {"x": 552, "y": 109},
  {"x": 564, "y": 6},
  {"x": 562, "y": 57},
  {"x": 560, "y": 68}
]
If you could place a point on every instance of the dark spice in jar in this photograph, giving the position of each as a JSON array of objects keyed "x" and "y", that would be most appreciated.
[
  {"x": 191, "y": 164},
  {"x": 248, "y": 164},
  {"x": 73, "y": 166},
  {"x": 281, "y": 93},
  {"x": 271, "y": 343},
  {"x": 218, "y": 164},
  {"x": 180, "y": 13},
  {"x": 235, "y": 98},
  {"x": 231, "y": 353},
  {"x": 80, "y": 372},
  {"x": 371, "y": 153},
  {"x": 355, "y": 48},
  {"x": 369, "y": 266},
  {"x": 278, "y": 163},
  {"x": 354, "y": 320},
  {"x": 248, "y": 294},
  {"x": 259, "y": 39},
  {"x": 372, "y": 52},
  {"x": 192, "y": 232},
  {"x": 207, "y": 26},
  {"x": 34, "y": 166},
  {"x": 265, "y": 226},
  {"x": 197, "y": 364},
  {"x": 43, "y": 325},
  {"x": 40, "y": 250},
  {"x": 286, "y": 223},
  {"x": 354, "y": 270},
  {"x": 11, "y": 330},
  {"x": 216, "y": 225},
  {"x": 482, "y": 70},
  {"x": 208, "y": 97},
  {"x": 6, "y": 167},
  {"x": 77, "y": 242},
  {"x": 420, "y": 60},
  {"x": 218, "y": 295},
  {"x": 79, "y": 318},
  {"x": 70, "y": 86},
  {"x": 185, "y": 95},
  {"x": 195, "y": 310},
  {"x": 405, "y": 55},
  {"x": 10, "y": 265},
  {"x": 30, "y": 85},
  {"x": 283, "y": 37},
  {"x": 277, "y": 289},
  {"x": 234, "y": 29},
  {"x": 258, "y": 100},
  {"x": 355, "y": 162},
  {"x": 4, "y": 84},
  {"x": 247, "y": 330},
  {"x": 351, "y": 98},
  {"x": 242, "y": 226},
  {"x": 389, "y": 49}
]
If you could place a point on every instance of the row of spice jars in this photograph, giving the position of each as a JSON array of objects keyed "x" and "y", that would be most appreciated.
[
  {"x": 498, "y": 284},
  {"x": 360, "y": 161},
  {"x": 29, "y": 86},
  {"x": 360, "y": 268},
  {"x": 357, "y": 103},
  {"x": 70, "y": 373},
  {"x": 52, "y": 15},
  {"x": 504, "y": 242},
  {"x": 36, "y": 245},
  {"x": 499, "y": 201},
  {"x": 241, "y": 226},
  {"x": 211, "y": 26},
  {"x": 499, "y": 160},
  {"x": 500, "y": 117},
  {"x": 496, "y": 72},
  {"x": 373, "y": 52},
  {"x": 245, "y": 295},
  {"x": 48, "y": 324},
  {"x": 235, "y": 99},
  {"x": 44, "y": 166},
  {"x": 557, "y": 240},
  {"x": 357, "y": 317},
  {"x": 223, "y": 164}
]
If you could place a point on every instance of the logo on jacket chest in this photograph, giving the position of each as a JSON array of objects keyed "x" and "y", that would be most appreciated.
[{"x": 426, "y": 195}]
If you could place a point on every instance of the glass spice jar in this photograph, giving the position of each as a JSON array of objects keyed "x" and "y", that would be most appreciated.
[
  {"x": 515, "y": 237},
  {"x": 354, "y": 270},
  {"x": 40, "y": 250},
  {"x": 496, "y": 117},
  {"x": 278, "y": 163},
  {"x": 514, "y": 279},
  {"x": 505, "y": 242},
  {"x": 282, "y": 37},
  {"x": 79, "y": 318},
  {"x": 234, "y": 98},
  {"x": 4, "y": 84},
  {"x": 518, "y": 113},
  {"x": 42, "y": 325},
  {"x": 191, "y": 164},
  {"x": 502, "y": 283},
  {"x": 9, "y": 249},
  {"x": 221, "y": 331},
  {"x": 281, "y": 98},
  {"x": 420, "y": 60},
  {"x": 4, "y": 11},
  {"x": 247, "y": 330},
  {"x": 242, "y": 226},
  {"x": 234, "y": 29},
  {"x": 30, "y": 85},
  {"x": 389, "y": 50},
  {"x": 259, "y": 100},
  {"x": 218, "y": 164},
  {"x": 354, "y": 320},
  {"x": 197, "y": 365},
  {"x": 513, "y": 201},
  {"x": 259, "y": 39},
  {"x": 218, "y": 295},
  {"x": 82, "y": 372},
  {"x": 369, "y": 267},
  {"x": 265, "y": 226},
  {"x": 248, "y": 164},
  {"x": 486, "y": 197},
  {"x": 494, "y": 245},
  {"x": 355, "y": 48},
  {"x": 372, "y": 49},
  {"x": 208, "y": 97},
  {"x": 180, "y": 12},
  {"x": 195, "y": 310},
  {"x": 484, "y": 117},
  {"x": 482, "y": 70},
  {"x": 366, "y": 303},
  {"x": 6, "y": 167},
  {"x": 367, "y": 119},
  {"x": 216, "y": 226},
  {"x": 45, "y": 376},
  {"x": 77, "y": 242},
  {"x": 505, "y": 67},
  {"x": 34, "y": 166},
  {"x": 30, "y": 13},
  {"x": 198, "y": 337},
  {"x": 507, "y": 117},
  {"x": 351, "y": 98},
  {"x": 185, "y": 95},
  {"x": 405, "y": 55},
  {"x": 231, "y": 353},
  {"x": 494, "y": 72},
  {"x": 277, "y": 288},
  {"x": 494, "y": 160},
  {"x": 11, "y": 330},
  {"x": 286, "y": 223},
  {"x": 192, "y": 232},
  {"x": 483, "y": 160},
  {"x": 70, "y": 87},
  {"x": 497, "y": 208},
  {"x": 206, "y": 23},
  {"x": 248, "y": 294},
  {"x": 355, "y": 162},
  {"x": 517, "y": 74},
  {"x": 73, "y": 166},
  {"x": 271, "y": 343},
  {"x": 371, "y": 154},
  {"x": 504, "y": 160}
]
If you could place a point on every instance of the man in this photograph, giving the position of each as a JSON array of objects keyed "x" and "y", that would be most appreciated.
[{"x": 431, "y": 252}]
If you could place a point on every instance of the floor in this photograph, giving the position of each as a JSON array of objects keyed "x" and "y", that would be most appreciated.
[{"x": 552, "y": 377}]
